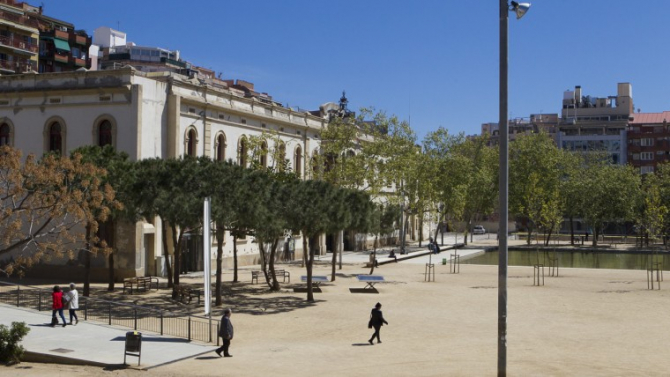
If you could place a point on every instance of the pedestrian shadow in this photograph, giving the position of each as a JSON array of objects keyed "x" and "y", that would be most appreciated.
[
  {"x": 207, "y": 357},
  {"x": 360, "y": 344}
]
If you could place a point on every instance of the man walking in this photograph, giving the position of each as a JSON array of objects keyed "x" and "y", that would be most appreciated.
[{"x": 226, "y": 333}]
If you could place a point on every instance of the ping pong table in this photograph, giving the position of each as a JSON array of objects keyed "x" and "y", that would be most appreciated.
[
  {"x": 370, "y": 280},
  {"x": 316, "y": 280}
]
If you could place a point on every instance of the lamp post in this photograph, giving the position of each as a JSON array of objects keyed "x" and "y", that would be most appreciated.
[{"x": 520, "y": 9}]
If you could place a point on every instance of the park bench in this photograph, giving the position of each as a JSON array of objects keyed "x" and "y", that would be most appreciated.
[
  {"x": 186, "y": 294},
  {"x": 279, "y": 273},
  {"x": 140, "y": 283}
]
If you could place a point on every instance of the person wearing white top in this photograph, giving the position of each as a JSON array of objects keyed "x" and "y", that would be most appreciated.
[{"x": 72, "y": 298}]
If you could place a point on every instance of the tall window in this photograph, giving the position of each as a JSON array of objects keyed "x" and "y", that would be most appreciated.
[
  {"x": 242, "y": 152},
  {"x": 190, "y": 142},
  {"x": 221, "y": 147},
  {"x": 55, "y": 138},
  {"x": 281, "y": 156},
  {"x": 5, "y": 134},
  {"x": 105, "y": 133},
  {"x": 264, "y": 154},
  {"x": 297, "y": 161}
]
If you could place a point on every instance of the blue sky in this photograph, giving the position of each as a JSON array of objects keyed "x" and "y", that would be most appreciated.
[{"x": 434, "y": 62}]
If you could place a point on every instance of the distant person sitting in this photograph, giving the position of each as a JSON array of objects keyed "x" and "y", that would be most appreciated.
[{"x": 392, "y": 255}]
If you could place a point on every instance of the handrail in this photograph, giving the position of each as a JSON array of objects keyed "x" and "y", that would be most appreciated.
[{"x": 137, "y": 317}]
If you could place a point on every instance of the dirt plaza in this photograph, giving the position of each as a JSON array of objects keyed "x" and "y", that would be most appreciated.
[{"x": 585, "y": 322}]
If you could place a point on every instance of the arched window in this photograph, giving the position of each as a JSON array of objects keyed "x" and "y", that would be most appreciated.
[
  {"x": 281, "y": 156},
  {"x": 264, "y": 154},
  {"x": 220, "y": 147},
  {"x": 105, "y": 133},
  {"x": 242, "y": 151},
  {"x": 5, "y": 134},
  {"x": 297, "y": 161},
  {"x": 191, "y": 142},
  {"x": 55, "y": 138}
]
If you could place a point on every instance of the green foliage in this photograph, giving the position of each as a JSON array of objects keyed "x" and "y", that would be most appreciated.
[{"x": 10, "y": 349}]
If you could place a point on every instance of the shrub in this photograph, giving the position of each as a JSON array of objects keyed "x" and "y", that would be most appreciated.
[{"x": 10, "y": 350}]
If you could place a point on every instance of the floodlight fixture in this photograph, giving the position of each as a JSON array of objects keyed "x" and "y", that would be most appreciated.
[{"x": 519, "y": 8}]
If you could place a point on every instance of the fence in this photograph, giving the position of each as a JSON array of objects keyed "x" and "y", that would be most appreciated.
[{"x": 162, "y": 322}]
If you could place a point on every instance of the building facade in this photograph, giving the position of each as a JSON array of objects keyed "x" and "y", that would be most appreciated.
[
  {"x": 147, "y": 115},
  {"x": 648, "y": 140},
  {"x": 596, "y": 124}
]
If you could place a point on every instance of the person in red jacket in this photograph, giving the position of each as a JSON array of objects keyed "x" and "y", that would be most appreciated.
[{"x": 57, "y": 306}]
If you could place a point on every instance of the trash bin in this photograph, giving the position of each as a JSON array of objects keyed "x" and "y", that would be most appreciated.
[
  {"x": 444, "y": 261},
  {"x": 133, "y": 345}
]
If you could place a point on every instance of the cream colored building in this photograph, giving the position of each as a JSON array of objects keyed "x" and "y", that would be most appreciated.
[
  {"x": 155, "y": 115},
  {"x": 147, "y": 115}
]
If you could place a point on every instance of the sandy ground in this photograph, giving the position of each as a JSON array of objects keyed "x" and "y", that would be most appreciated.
[{"x": 582, "y": 323}]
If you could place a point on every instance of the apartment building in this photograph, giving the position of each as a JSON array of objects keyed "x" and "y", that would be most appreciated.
[
  {"x": 31, "y": 41},
  {"x": 596, "y": 123},
  {"x": 648, "y": 140},
  {"x": 19, "y": 36}
]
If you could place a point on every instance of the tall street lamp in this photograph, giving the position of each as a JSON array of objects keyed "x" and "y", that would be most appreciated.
[{"x": 520, "y": 9}]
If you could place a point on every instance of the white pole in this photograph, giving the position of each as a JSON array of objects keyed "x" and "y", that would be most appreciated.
[{"x": 207, "y": 251}]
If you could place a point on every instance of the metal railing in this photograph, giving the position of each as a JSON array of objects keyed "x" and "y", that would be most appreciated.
[{"x": 204, "y": 329}]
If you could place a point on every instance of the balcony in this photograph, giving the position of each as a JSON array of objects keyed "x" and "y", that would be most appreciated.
[
  {"x": 80, "y": 39},
  {"x": 78, "y": 62},
  {"x": 18, "y": 19},
  {"x": 61, "y": 34},
  {"x": 61, "y": 58},
  {"x": 15, "y": 66},
  {"x": 19, "y": 44}
]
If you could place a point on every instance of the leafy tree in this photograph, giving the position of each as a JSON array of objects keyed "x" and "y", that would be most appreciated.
[
  {"x": 310, "y": 209},
  {"x": 118, "y": 167},
  {"x": 222, "y": 185},
  {"x": 44, "y": 205},
  {"x": 536, "y": 166},
  {"x": 612, "y": 192},
  {"x": 651, "y": 217},
  {"x": 479, "y": 186},
  {"x": 449, "y": 179}
]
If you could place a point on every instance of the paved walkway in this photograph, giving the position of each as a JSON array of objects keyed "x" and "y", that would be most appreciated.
[{"x": 94, "y": 344}]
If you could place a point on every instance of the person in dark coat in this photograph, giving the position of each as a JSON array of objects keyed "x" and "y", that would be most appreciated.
[
  {"x": 377, "y": 321},
  {"x": 226, "y": 333}
]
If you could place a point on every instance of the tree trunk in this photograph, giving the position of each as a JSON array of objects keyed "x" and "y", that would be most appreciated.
[
  {"x": 110, "y": 285},
  {"x": 374, "y": 252},
  {"x": 219, "y": 262},
  {"x": 273, "y": 251},
  {"x": 596, "y": 233},
  {"x": 304, "y": 250},
  {"x": 546, "y": 242},
  {"x": 310, "y": 261},
  {"x": 87, "y": 262},
  {"x": 166, "y": 252},
  {"x": 176, "y": 242},
  {"x": 334, "y": 262},
  {"x": 572, "y": 232},
  {"x": 235, "y": 280}
]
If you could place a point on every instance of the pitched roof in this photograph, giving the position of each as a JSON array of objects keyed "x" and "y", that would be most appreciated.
[{"x": 649, "y": 118}]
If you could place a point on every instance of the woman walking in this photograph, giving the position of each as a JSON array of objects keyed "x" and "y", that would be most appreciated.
[
  {"x": 57, "y": 306},
  {"x": 72, "y": 298},
  {"x": 377, "y": 321}
]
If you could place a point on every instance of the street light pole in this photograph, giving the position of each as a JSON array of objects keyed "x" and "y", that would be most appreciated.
[
  {"x": 503, "y": 191},
  {"x": 503, "y": 128}
]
